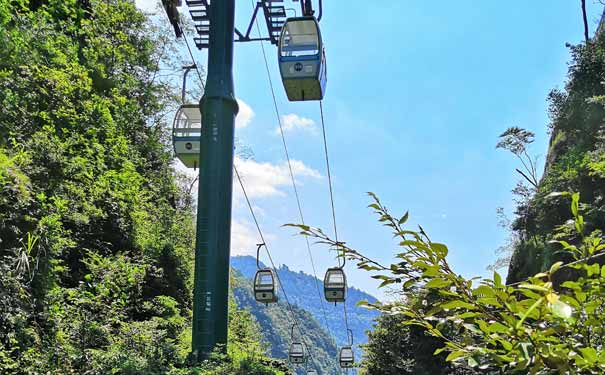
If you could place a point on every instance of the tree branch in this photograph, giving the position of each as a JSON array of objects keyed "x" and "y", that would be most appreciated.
[
  {"x": 585, "y": 19},
  {"x": 527, "y": 178}
]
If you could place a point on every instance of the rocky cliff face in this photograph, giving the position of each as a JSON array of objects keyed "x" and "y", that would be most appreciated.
[{"x": 575, "y": 162}]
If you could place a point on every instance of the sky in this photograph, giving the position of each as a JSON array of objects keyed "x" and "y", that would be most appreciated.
[{"x": 417, "y": 95}]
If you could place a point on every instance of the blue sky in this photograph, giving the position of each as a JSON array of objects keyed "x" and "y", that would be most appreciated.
[{"x": 417, "y": 95}]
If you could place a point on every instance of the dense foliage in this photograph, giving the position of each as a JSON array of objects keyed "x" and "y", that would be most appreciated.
[
  {"x": 575, "y": 162},
  {"x": 396, "y": 348},
  {"x": 549, "y": 324},
  {"x": 95, "y": 229},
  {"x": 275, "y": 323},
  {"x": 548, "y": 319}
]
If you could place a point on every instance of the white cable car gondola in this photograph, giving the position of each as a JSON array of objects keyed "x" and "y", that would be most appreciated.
[
  {"x": 187, "y": 129},
  {"x": 335, "y": 285},
  {"x": 297, "y": 353},
  {"x": 346, "y": 356},
  {"x": 302, "y": 59},
  {"x": 265, "y": 286},
  {"x": 186, "y": 133}
]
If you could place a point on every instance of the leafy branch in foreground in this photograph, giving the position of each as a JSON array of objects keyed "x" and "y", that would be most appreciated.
[{"x": 551, "y": 323}]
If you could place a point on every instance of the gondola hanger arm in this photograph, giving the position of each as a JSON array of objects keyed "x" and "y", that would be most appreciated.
[{"x": 258, "y": 247}]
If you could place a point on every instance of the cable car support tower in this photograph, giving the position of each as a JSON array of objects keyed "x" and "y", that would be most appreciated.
[{"x": 215, "y": 25}]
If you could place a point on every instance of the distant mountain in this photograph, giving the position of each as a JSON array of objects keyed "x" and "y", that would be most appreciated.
[
  {"x": 302, "y": 292},
  {"x": 276, "y": 323}
]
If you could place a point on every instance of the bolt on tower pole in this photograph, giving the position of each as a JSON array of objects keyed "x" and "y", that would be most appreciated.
[{"x": 212, "y": 248}]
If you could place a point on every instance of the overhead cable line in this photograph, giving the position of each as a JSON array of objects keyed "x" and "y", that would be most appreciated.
[
  {"x": 292, "y": 178},
  {"x": 325, "y": 140},
  {"x": 281, "y": 286},
  {"x": 199, "y": 74},
  {"x": 262, "y": 237}
]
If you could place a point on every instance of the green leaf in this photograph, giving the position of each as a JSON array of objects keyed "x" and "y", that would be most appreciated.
[
  {"x": 439, "y": 249},
  {"x": 439, "y": 350},
  {"x": 455, "y": 355},
  {"x": 589, "y": 354},
  {"x": 575, "y": 203},
  {"x": 414, "y": 244},
  {"x": 534, "y": 287},
  {"x": 529, "y": 311},
  {"x": 404, "y": 218},
  {"x": 466, "y": 315},
  {"x": 484, "y": 291},
  {"x": 555, "y": 267},
  {"x": 458, "y": 305},
  {"x": 438, "y": 283},
  {"x": 471, "y": 327},
  {"x": 374, "y": 206},
  {"x": 580, "y": 224},
  {"x": 498, "y": 327},
  {"x": 497, "y": 279}
]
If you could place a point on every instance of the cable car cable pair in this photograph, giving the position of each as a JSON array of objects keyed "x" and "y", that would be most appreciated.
[
  {"x": 275, "y": 276},
  {"x": 187, "y": 128},
  {"x": 293, "y": 180}
]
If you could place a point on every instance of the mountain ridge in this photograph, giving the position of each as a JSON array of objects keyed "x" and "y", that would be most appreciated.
[{"x": 302, "y": 292}]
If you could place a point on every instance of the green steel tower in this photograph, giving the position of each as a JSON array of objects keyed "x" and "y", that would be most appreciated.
[
  {"x": 214, "y": 21},
  {"x": 219, "y": 108}
]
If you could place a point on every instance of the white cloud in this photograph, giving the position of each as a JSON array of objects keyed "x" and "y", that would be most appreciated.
[
  {"x": 292, "y": 122},
  {"x": 267, "y": 179},
  {"x": 243, "y": 238},
  {"x": 147, "y": 5},
  {"x": 261, "y": 180},
  {"x": 244, "y": 116}
]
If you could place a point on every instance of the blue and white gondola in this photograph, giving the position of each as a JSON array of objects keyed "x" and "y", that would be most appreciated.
[{"x": 302, "y": 59}]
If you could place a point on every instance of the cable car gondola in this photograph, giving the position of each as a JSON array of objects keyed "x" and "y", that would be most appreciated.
[
  {"x": 346, "y": 356},
  {"x": 302, "y": 59},
  {"x": 187, "y": 129},
  {"x": 186, "y": 133},
  {"x": 335, "y": 285},
  {"x": 297, "y": 353},
  {"x": 311, "y": 372},
  {"x": 265, "y": 290}
]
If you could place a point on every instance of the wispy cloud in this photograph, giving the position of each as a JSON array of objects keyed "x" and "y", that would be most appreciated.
[
  {"x": 263, "y": 180},
  {"x": 293, "y": 122},
  {"x": 243, "y": 238}
]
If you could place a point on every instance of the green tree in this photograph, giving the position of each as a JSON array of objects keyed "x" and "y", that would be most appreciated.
[
  {"x": 548, "y": 324},
  {"x": 395, "y": 348},
  {"x": 574, "y": 163},
  {"x": 96, "y": 226}
]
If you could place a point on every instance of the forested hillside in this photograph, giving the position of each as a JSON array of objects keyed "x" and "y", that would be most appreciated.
[
  {"x": 575, "y": 162},
  {"x": 302, "y": 292},
  {"x": 276, "y": 322},
  {"x": 96, "y": 231}
]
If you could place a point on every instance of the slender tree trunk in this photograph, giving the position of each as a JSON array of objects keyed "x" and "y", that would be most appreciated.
[{"x": 585, "y": 19}]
